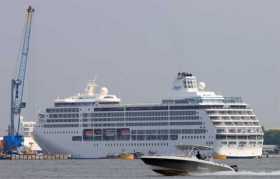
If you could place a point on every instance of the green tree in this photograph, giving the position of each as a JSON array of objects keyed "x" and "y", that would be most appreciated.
[{"x": 272, "y": 137}]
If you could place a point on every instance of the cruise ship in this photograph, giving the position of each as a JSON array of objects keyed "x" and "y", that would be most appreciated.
[{"x": 96, "y": 125}]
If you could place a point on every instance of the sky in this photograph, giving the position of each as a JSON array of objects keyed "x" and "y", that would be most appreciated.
[{"x": 135, "y": 48}]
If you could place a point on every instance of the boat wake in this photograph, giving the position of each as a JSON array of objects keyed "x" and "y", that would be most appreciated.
[{"x": 242, "y": 173}]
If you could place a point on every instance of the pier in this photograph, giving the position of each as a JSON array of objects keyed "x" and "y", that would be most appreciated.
[{"x": 36, "y": 157}]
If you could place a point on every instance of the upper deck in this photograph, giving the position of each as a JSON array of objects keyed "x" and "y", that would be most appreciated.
[{"x": 185, "y": 91}]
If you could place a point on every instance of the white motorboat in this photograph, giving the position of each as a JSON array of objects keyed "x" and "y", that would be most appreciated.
[{"x": 185, "y": 165}]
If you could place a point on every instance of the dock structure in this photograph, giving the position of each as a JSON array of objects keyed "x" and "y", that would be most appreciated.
[{"x": 36, "y": 157}]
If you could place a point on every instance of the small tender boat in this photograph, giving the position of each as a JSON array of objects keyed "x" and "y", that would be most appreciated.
[
  {"x": 184, "y": 165},
  {"x": 126, "y": 156}
]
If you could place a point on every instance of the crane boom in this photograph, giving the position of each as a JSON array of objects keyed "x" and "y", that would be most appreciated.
[{"x": 17, "y": 84}]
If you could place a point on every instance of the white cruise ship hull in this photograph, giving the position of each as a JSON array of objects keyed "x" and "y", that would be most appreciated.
[
  {"x": 93, "y": 125},
  {"x": 85, "y": 149},
  {"x": 239, "y": 152}
]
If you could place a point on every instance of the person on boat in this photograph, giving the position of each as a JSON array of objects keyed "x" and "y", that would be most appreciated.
[{"x": 198, "y": 155}]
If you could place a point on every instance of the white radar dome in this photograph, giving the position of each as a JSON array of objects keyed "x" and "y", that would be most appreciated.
[
  {"x": 202, "y": 85},
  {"x": 104, "y": 91}
]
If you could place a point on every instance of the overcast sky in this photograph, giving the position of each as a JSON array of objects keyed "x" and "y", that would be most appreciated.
[{"x": 135, "y": 48}]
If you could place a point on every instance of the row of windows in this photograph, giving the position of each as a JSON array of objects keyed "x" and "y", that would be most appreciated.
[
  {"x": 147, "y": 124},
  {"x": 98, "y": 114},
  {"x": 155, "y": 118},
  {"x": 180, "y": 113},
  {"x": 158, "y": 132},
  {"x": 239, "y": 130},
  {"x": 139, "y": 114},
  {"x": 124, "y": 124},
  {"x": 237, "y": 107},
  {"x": 61, "y": 110},
  {"x": 62, "y": 120},
  {"x": 151, "y": 137},
  {"x": 106, "y": 138},
  {"x": 132, "y": 108},
  {"x": 163, "y": 123},
  {"x": 228, "y": 112},
  {"x": 127, "y": 137},
  {"x": 80, "y": 104},
  {"x": 154, "y": 137},
  {"x": 163, "y": 131},
  {"x": 76, "y": 138},
  {"x": 185, "y": 123},
  {"x": 187, "y": 131},
  {"x": 250, "y": 137},
  {"x": 136, "y": 144},
  {"x": 184, "y": 118},
  {"x": 241, "y": 143},
  {"x": 109, "y": 109},
  {"x": 151, "y": 113},
  {"x": 61, "y": 132},
  {"x": 143, "y": 118},
  {"x": 104, "y": 119},
  {"x": 236, "y": 123},
  {"x": 67, "y": 115},
  {"x": 232, "y": 117},
  {"x": 203, "y": 100},
  {"x": 193, "y": 137},
  {"x": 171, "y": 131},
  {"x": 114, "y": 136},
  {"x": 154, "y": 108},
  {"x": 143, "y": 108},
  {"x": 122, "y": 119},
  {"x": 199, "y": 100},
  {"x": 196, "y": 107},
  {"x": 105, "y": 125},
  {"x": 60, "y": 125},
  {"x": 190, "y": 84},
  {"x": 71, "y": 104}
]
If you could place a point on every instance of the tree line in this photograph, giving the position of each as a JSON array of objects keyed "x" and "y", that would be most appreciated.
[{"x": 272, "y": 137}]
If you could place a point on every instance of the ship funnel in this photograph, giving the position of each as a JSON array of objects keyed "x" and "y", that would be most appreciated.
[{"x": 185, "y": 81}]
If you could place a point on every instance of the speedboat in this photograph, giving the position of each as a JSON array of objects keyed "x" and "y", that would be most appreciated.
[
  {"x": 185, "y": 165},
  {"x": 181, "y": 165}
]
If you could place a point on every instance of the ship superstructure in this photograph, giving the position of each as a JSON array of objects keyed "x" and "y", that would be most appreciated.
[
  {"x": 26, "y": 128},
  {"x": 92, "y": 125}
]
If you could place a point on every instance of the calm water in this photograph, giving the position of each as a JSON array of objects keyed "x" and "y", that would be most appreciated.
[{"x": 118, "y": 169}]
